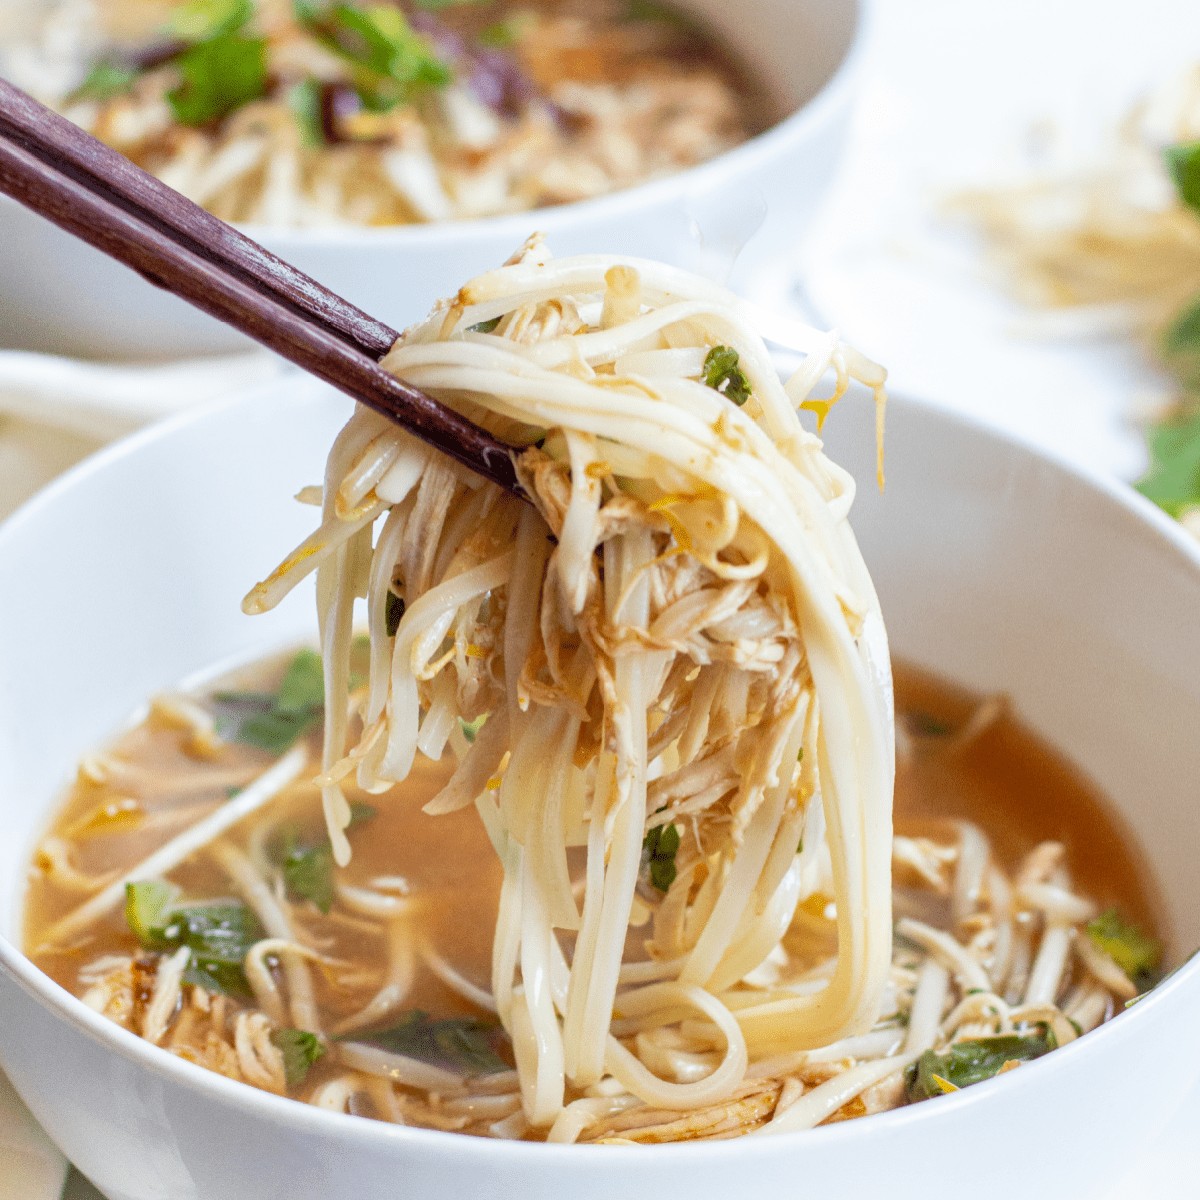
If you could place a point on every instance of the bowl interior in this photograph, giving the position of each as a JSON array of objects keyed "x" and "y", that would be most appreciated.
[{"x": 995, "y": 566}]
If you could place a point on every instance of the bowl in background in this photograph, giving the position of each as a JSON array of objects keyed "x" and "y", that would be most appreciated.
[
  {"x": 997, "y": 567},
  {"x": 61, "y": 296}
]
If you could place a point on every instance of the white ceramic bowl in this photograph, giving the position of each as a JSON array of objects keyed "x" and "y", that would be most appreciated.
[
  {"x": 996, "y": 566},
  {"x": 64, "y": 297}
]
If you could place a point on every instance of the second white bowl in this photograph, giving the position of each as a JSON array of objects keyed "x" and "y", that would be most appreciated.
[{"x": 61, "y": 296}]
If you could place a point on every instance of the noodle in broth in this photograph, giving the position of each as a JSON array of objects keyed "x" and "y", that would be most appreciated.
[{"x": 662, "y": 694}]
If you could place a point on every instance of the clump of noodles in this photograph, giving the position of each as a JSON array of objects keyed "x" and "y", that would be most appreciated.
[{"x": 679, "y": 631}]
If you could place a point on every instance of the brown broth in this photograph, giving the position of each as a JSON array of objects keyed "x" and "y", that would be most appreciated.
[
  {"x": 1020, "y": 792},
  {"x": 1005, "y": 779}
]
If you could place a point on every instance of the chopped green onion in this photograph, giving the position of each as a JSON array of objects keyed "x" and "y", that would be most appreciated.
[
  {"x": 1135, "y": 952},
  {"x": 723, "y": 374},
  {"x": 300, "y": 1050}
]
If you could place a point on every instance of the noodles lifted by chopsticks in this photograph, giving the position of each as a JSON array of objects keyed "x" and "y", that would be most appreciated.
[{"x": 666, "y": 682}]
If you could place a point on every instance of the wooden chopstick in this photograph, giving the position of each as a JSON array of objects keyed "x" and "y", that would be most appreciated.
[{"x": 95, "y": 193}]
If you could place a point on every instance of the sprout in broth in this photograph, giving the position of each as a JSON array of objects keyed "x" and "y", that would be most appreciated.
[{"x": 589, "y": 838}]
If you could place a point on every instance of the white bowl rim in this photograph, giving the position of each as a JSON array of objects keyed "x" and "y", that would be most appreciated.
[
  {"x": 516, "y": 227},
  {"x": 378, "y": 1135}
]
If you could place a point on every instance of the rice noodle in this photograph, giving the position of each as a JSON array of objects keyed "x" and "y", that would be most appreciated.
[{"x": 724, "y": 542}]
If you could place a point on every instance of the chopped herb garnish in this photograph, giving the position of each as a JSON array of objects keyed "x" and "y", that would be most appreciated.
[
  {"x": 462, "y": 1044},
  {"x": 1181, "y": 346},
  {"x": 1159, "y": 982},
  {"x": 723, "y": 374},
  {"x": 104, "y": 81},
  {"x": 219, "y": 934},
  {"x": 308, "y": 872},
  {"x": 500, "y": 36},
  {"x": 922, "y": 724},
  {"x": 972, "y": 1061},
  {"x": 1173, "y": 480},
  {"x": 393, "y": 614},
  {"x": 659, "y": 848},
  {"x": 200, "y": 20},
  {"x": 304, "y": 99},
  {"x": 146, "y": 907},
  {"x": 391, "y": 60},
  {"x": 652, "y": 10},
  {"x": 218, "y": 77},
  {"x": 303, "y": 686},
  {"x": 1183, "y": 162},
  {"x": 276, "y": 721},
  {"x": 300, "y": 1050},
  {"x": 361, "y": 813},
  {"x": 1135, "y": 952},
  {"x": 485, "y": 326}
]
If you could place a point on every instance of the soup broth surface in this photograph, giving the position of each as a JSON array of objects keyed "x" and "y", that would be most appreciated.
[{"x": 416, "y": 908}]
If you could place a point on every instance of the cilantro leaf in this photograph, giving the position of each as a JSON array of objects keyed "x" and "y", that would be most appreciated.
[
  {"x": 652, "y": 10},
  {"x": 1183, "y": 162},
  {"x": 146, "y": 907},
  {"x": 1135, "y": 952},
  {"x": 304, "y": 99},
  {"x": 217, "y": 77},
  {"x": 361, "y": 813},
  {"x": 104, "y": 81},
  {"x": 1173, "y": 480},
  {"x": 308, "y": 874},
  {"x": 275, "y": 721},
  {"x": 200, "y": 20},
  {"x": 972, "y": 1061},
  {"x": 392, "y": 60},
  {"x": 303, "y": 686},
  {"x": 498, "y": 36},
  {"x": 300, "y": 1050},
  {"x": 219, "y": 934},
  {"x": 659, "y": 849},
  {"x": 723, "y": 374},
  {"x": 465, "y": 1044},
  {"x": 1181, "y": 346}
]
